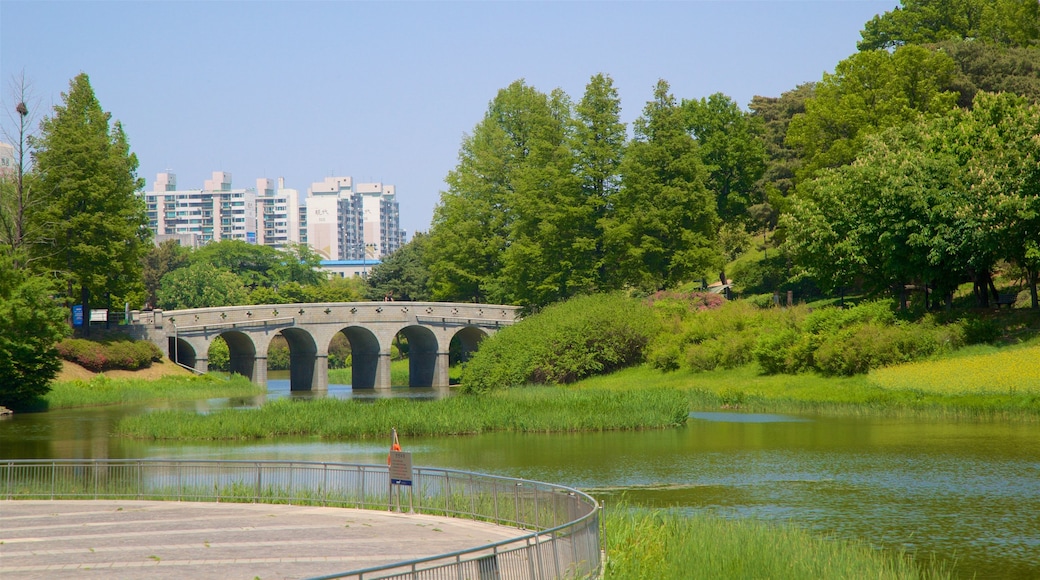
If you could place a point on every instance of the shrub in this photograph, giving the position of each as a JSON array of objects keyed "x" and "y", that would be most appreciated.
[
  {"x": 109, "y": 353},
  {"x": 565, "y": 342}
]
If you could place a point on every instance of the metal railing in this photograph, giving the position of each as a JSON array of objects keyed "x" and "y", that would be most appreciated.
[{"x": 563, "y": 524}]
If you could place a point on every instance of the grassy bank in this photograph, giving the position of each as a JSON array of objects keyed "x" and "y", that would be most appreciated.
[
  {"x": 977, "y": 382},
  {"x": 101, "y": 390},
  {"x": 651, "y": 544},
  {"x": 521, "y": 410}
]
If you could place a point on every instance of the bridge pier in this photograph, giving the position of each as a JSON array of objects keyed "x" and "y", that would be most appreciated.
[
  {"x": 202, "y": 364},
  {"x": 260, "y": 370},
  {"x": 440, "y": 371},
  {"x": 382, "y": 372}
]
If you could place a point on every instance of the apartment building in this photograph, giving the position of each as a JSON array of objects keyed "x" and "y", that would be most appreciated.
[{"x": 338, "y": 219}]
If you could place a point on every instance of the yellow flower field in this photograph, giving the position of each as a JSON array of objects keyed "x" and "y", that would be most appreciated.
[{"x": 1013, "y": 371}]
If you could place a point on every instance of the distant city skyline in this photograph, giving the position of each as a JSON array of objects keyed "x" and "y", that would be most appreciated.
[{"x": 386, "y": 91}]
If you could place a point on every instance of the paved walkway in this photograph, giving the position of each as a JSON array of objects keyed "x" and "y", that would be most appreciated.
[{"x": 159, "y": 540}]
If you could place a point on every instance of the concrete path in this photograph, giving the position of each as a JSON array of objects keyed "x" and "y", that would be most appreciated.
[{"x": 160, "y": 540}]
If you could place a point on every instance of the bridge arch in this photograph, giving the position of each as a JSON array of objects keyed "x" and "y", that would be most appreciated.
[
  {"x": 182, "y": 352},
  {"x": 365, "y": 354},
  {"x": 423, "y": 351},
  {"x": 305, "y": 362}
]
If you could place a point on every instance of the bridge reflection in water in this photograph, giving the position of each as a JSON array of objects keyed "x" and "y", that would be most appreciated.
[{"x": 370, "y": 327}]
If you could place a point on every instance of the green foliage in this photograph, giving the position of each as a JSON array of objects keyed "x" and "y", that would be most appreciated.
[
  {"x": 94, "y": 219},
  {"x": 1009, "y": 22},
  {"x": 30, "y": 323},
  {"x": 993, "y": 68},
  {"x": 565, "y": 342},
  {"x": 200, "y": 285},
  {"x": 534, "y": 410},
  {"x": 932, "y": 203},
  {"x": 401, "y": 275},
  {"x": 733, "y": 152},
  {"x": 656, "y": 543},
  {"x": 103, "y": 390},
  {"x": 662, "y": 231},
  {"x": 159, "y": 261},
  {"x": 109, "y": 353},
  {"x": 220, "y": 355},
  {"x": 868, "y": 92}
]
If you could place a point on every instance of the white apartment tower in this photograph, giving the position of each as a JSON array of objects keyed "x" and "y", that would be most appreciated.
[
  {"x": 338, "y": 219},
  {"x": 215, "y": 212},
  {"x": 278, "y": 215}
]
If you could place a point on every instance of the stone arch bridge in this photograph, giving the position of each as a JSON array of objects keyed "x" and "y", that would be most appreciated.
[{"x": 370, "y": 327}]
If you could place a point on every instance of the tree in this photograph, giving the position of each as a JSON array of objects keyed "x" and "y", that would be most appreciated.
[
  {"x": 730, "y": 144},
  {"x": 159, "y": 261},
  {"x": 545, "y": 206},
  {"x": 867, "y": 93},
  {"x": 598, "y": 141},
  {"x": 18, "y": 197},
  {"x": 993, "y": 68},
  {"x": 300, "y": 264},
  {"x": 88, "y": 178},
  {"x": 256, "y": 266},
  {"x": 783, "y": 160},
  {"x": 401, "y": 275},
  {"x": 31, "y": 322},
  {"x": 662, "y": 230},
  {"x": 469, "y": 230},
  {"x": 200, "y": 285},
  {"x": 1009, "y": 22}
]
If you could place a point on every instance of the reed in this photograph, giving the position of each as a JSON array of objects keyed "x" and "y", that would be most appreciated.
[
  {"x": 520, "y": 410},
  {"x": 654, "y": 543},
  {"x": 101, "y": 390}
]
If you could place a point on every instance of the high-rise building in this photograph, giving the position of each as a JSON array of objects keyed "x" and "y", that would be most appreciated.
[
  {"x": 278, "y": 213},
  {"x": 345, "y": 221},
  {"x": 8, "y": 164},
  {"x": 339, "y": 220},
  {"x": 215, "y": 212}
]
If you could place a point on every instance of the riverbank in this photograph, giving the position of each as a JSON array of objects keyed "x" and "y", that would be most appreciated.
[
  {"x": 162, "y": 381},
  {"x": 978, "y": 382}
]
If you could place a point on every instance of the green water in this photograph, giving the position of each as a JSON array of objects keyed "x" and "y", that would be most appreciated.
[{"x": 968, "y": 492}]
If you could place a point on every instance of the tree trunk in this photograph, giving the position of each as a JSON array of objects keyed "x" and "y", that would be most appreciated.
[{"x": 1033, "y": 275}]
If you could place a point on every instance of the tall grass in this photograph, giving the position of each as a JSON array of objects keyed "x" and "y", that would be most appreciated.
[
  {"x": 520, "y": 410},
  {"x": 101, "y": 390},
  {"x": 651, "y": 544}
]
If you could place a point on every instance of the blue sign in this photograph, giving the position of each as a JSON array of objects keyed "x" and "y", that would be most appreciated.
[{"x": 77, "y": 315}]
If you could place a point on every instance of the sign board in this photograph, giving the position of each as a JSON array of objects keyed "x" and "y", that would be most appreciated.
[
  {"x": 99, "y": 315},
  {"x": 400, "y": 468},
  {"x": 77, "y": 315}
]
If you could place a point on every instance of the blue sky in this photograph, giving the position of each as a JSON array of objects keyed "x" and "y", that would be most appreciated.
[{"x": 385, "y": 91}]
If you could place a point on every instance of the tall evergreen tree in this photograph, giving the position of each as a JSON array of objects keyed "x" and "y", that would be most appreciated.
[
  {"x": 598, "y": 141},
  {"x": 662, "y": 230},
  {"x": 88, "y": 176}
]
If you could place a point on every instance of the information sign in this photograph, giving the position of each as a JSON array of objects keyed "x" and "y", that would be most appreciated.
[
  {"x": 77, "y": 315},
  {"x": 400, "y": 468}
]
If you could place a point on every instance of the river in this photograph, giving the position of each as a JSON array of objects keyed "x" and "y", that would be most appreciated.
[{"x": 966, "y": 491}]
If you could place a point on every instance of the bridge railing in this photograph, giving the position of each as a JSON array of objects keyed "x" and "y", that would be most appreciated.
[{"x": 562, "y": 525}]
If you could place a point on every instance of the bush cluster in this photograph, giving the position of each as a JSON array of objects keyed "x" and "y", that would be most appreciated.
[
  {"x": 831, "y": 341},
  {"x": 564, "y": 343},
  {"x": 109, "y": 354}
]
